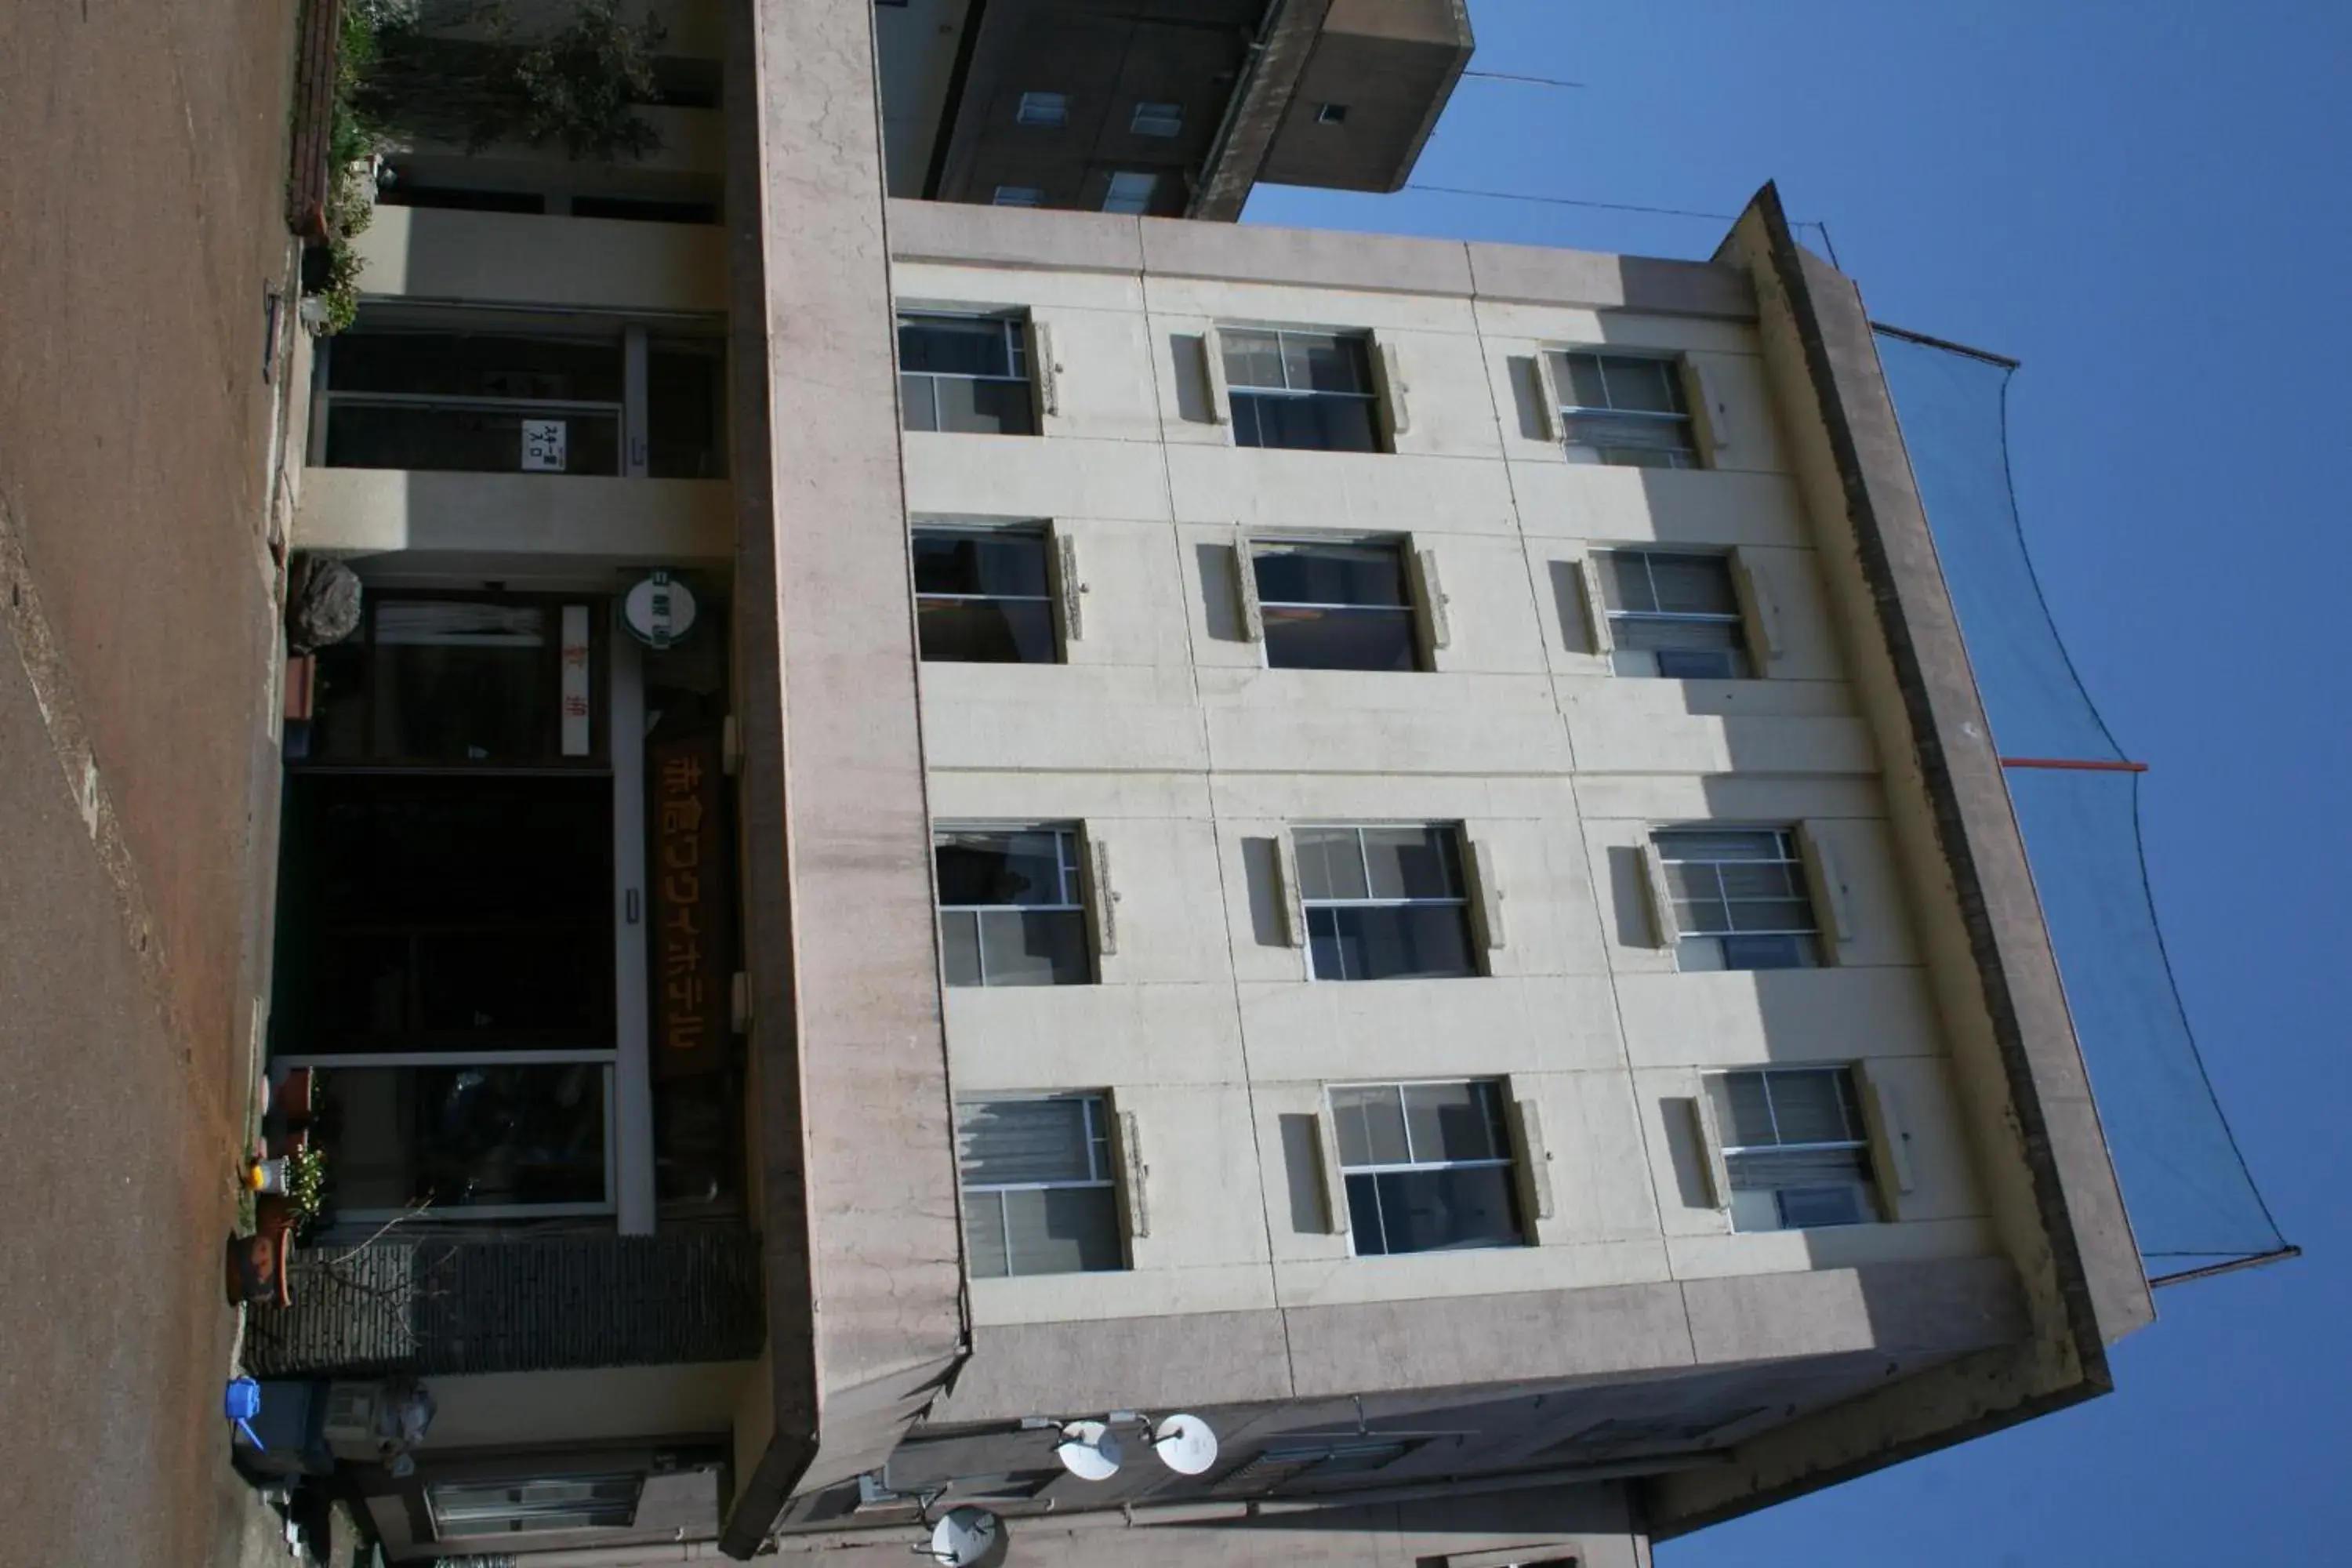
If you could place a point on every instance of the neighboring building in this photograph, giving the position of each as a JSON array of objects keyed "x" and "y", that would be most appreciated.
[
  {"x": 1385, "y": 841},
  {"x": 1148, "y": 107}
]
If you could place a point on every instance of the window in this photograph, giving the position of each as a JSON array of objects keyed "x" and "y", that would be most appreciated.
[
  {"x": 1158, "y": 120},
  {"x": 982, "y": 596},
  {"x": 474, "y": 403},
  {"x": 1018, "y": 196},
  {"x": 1334, "y": 606},
  {"x": 1795, "y": 1148},
  {"x": 517, "y": 1507},
  {"x": 1740, "y": 898},
  {"x": 1626, "y": 1432},
  {"x": 1009, "y": 913},
  {"x": 1130, "y": 192},
  {"x": 643, "y": 209},
  {"x": 1038, "y": 1195},
  {"x": 1674, "y": 613},
  {"x": 1332, "y": 114},
  {"x": 402, "y": 394},
  {"x": 965, "y": 373},
  {"x": 1307, "y": 390},
  {"x": 1048, "y": 109},
  {"x": 1625, "y": 409},
  {"x": 1281, "y": 1464},
  {"x": 1428, "y": 1167},
  {"x": 449, "y": 680},
  {"x": 1384, "y": 903}
]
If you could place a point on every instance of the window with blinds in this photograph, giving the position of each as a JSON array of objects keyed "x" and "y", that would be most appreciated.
[
  {"x": 1674, "y": 613},
  {"x": 461, "y": 1509},
  {"x": 1039, "y": 1194},
  {"x": 1796, "y": 1147},
  {"x": 1626, "y": 410},
  {"x": 1740, "y": 898}
]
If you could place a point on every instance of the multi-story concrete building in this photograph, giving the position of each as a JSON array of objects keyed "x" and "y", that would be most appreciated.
[
  {"x": 1146, "y": 107},
  {"x": 1387, "y": 842}
]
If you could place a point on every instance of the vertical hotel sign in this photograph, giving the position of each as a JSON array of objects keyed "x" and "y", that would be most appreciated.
[
  {"x": 578, "y": 731},
  {"x": 693, "y": 951}
]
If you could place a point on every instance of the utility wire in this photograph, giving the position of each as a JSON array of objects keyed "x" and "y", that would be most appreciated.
[
  {"x": 1571, "y": 202},
  {"x": 1529, "y": 80},
  {"x": 1814, "y": 224}
]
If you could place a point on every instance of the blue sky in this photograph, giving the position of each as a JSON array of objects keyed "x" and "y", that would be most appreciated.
[{"x": 2152, "y": 207}]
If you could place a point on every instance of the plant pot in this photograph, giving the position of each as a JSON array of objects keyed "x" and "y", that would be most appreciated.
[
  {"x": 293, "y": 1140},
  {"x": 273, "y": 1214},
  {"x": 267, "y": 1176},
  {"x": 294, "y": 1096},
  {"x": 256, "y": 1269},
  {"x": 318, "y": 268}
]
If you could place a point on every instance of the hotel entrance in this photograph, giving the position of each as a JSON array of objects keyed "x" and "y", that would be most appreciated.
[{"x": 470, "y": 957}]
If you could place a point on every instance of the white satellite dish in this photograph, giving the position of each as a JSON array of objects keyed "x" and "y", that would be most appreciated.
[
  {"x": 1185, "y": 1444},
  {"x": 969, "y": 1538},
  {"x": 1089, "y": 1451}
]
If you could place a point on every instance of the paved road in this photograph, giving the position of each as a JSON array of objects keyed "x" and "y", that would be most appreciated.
[{"x": 141, "y": 159}]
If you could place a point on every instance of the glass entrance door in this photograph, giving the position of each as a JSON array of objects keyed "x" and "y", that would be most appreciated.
[{"x": 447, "y": 968}]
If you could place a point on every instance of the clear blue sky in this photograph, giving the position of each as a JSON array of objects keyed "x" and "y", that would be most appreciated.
[{"x": 2151, "y": 205}]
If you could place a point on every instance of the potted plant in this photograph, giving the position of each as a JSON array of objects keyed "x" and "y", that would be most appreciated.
[{"x": 306, "y": 1184}]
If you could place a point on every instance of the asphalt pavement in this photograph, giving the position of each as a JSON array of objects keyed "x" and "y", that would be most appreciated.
[{"x": 142, "y": 157}]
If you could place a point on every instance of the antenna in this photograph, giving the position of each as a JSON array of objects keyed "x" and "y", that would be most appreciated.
[
  {"x": 969, "y": 1538},
  {"x": 1088, "y": 1450},
  {"x": 1185, "y": 1444}
]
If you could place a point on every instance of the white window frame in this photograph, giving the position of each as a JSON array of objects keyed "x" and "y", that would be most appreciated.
[
  {"x": 1852, "y": 1101},
  {"x": 1307, "y": 906},
  {"x": 1812, "y": 939},
  {"x": 1604, "y": 568},
  {"x": 1559, "y": 386},
  {"x": 1500, "y": 1091},
  {"x": 1102, "y": 1165},
  {"x": 1070, "y": 872},
  {"x": 1015, "y": 327},
  {"x": 1365, "y": 344},
  {"x": 1043, "y": 111}
]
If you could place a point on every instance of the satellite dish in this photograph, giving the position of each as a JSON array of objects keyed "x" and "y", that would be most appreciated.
[
  {"x": 1185, "y": 1444},
  {"x": 1088, "y": 1451},
  {"x": 969, "y": 1538}
]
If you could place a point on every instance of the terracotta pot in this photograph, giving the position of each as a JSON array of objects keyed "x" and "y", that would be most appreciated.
[
  {"x": 256, "y": 1269},
  {"x": 273, "y": 1214},
  {"x": 293, "y": 1140},
  {"x": 294, "y": 1097}
]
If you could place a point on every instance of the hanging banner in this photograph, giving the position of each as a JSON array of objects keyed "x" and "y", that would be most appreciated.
[{"x": 693, "y": 946}]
